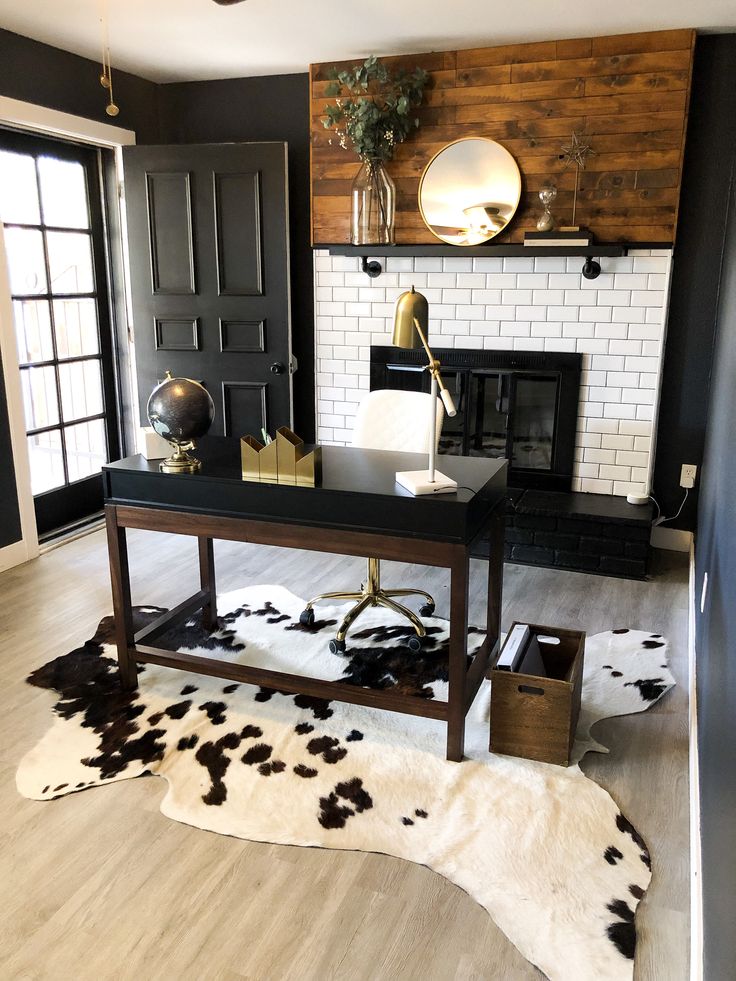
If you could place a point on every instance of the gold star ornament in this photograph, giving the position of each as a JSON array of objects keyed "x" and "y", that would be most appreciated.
[{"x": 576, "y": 151}]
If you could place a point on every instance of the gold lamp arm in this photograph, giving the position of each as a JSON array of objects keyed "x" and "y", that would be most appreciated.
[{"x": 434, "y": 368}]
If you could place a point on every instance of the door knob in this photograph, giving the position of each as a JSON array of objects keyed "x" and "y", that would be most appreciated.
[{"x": 277, "y": 368}]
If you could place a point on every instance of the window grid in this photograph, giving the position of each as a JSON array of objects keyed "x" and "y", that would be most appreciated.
[{"x": 49, "y": 296}]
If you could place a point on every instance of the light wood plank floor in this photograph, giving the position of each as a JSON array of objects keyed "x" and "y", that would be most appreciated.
[{"x": 99, "y": 886}]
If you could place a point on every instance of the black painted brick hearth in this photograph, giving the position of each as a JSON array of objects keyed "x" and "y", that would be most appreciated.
[{"x": 584, "y": 532}]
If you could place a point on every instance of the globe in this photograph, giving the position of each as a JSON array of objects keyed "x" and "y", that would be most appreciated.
[{"x": 181, "y": 411}]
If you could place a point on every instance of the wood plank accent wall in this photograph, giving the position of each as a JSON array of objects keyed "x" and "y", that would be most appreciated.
[{"x": 628, "y": 93}]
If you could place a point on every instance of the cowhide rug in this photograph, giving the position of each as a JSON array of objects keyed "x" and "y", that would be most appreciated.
[{"x": 542, "y": 848}]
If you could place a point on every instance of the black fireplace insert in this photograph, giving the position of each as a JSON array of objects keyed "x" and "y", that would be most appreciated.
[{"x": 521, "y": 405}]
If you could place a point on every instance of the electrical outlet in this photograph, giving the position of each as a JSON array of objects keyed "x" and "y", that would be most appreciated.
[{"x": 687, "y": 475}]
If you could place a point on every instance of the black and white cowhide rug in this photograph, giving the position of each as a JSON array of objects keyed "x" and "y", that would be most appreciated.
[{"x": 542, "y": 848}]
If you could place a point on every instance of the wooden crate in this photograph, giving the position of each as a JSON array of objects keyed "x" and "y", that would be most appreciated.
[{"x": 536, "y": 717}]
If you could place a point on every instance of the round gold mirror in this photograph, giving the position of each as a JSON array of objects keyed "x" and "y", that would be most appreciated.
[{"x": 469, "y": 191}]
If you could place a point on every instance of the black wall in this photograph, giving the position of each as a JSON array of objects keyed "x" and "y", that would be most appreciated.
[
  {"x": 716, "y": 630},
  {"x": 275, "y": 107},
  {"x": 696, "y": 270},
  {"x": 47, "y": 76}
]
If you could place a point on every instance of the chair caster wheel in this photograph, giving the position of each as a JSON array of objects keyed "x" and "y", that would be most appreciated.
[
  {"x": 337, "y": 647},
  {"x": 306, "y": 617},
  {"x": 415, "y": 644},
  {"x": 427, "y": 610}
]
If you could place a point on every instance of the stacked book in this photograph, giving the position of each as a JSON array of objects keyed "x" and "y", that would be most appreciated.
[
  {"x": 521, "y": 652},
  {"x": 559, "y": 238}
]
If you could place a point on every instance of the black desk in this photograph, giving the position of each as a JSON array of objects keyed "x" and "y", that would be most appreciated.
[{"x": 358, "y": 510}]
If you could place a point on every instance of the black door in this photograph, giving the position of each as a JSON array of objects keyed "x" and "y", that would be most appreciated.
[
  {"x": 209, "y": 259},
  {"x": 51, "y": 209}
]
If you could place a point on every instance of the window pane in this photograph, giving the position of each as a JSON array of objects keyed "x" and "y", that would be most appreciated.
[
  {"x": 86, "y": 449},
  {"x": 25, "y": 261},
  {"x": 75, "y": 323},
  {"x": 18, "y": 189},
  {"x": 33, "y": 330},
  {"x": 70, "y": 262},
  {"x": 81, "y": 389},
  {"x": 39, "y": 397},
  {"x": 63, "y": 193},
  {"x": 47, "y": 465}
]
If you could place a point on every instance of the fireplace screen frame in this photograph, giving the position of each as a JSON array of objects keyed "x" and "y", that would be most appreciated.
[{"x": 510, "y": 367}]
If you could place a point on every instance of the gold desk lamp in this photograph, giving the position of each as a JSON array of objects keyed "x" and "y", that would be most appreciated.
[{"x": 411, "y": 323}]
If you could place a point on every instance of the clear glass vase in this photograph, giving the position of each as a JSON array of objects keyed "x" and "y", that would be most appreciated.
[{"x": 373, "y": 205}]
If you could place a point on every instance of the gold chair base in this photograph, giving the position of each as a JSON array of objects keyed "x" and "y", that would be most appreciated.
[{"x": 371, "y": 594}]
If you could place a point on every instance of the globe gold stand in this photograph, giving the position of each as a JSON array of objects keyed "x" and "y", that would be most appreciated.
[{"x": 180, "y": 461}]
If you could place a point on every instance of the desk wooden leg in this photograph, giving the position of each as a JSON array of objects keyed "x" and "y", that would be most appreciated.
[
  {"x": 459, "y": 576},
  {"x": 207, "y": 580},
  {"x": 117, "y": 547},
  {"x": 495, "y": 579}
]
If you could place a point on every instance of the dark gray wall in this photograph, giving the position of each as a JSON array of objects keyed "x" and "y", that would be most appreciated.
[
  {"x": 275, "y": 107},
  {"x": 716, "y": 630},
  {"x": 47, "y": 76},
  {"x": 696, "y": 270}
]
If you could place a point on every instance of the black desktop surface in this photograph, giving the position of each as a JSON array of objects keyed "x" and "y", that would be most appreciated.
[{"x": 358, "y": 491}]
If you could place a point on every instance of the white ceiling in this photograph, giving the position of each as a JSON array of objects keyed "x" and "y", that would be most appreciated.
[{"x": 179, "y": 40}]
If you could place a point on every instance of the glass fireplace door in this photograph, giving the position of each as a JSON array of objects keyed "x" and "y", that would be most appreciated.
[
  {"x": 513, "y": 415},
  {"x": 532, "y": 425},
  {"x": 489, "y": 414}
]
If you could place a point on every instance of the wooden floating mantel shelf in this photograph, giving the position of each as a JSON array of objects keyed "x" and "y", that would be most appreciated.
[
  {"x": 490, "y": 251},
  {"x": 590, "y": 253}
]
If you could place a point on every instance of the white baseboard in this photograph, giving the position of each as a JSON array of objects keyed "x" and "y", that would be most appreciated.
[
  {"x": 696, "y": 892},
  {"x": 15, "y": 554},
  {"x": 672, "y": 539}
]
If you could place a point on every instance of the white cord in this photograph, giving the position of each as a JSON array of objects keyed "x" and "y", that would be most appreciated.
[{"x": 661, "y": 520}]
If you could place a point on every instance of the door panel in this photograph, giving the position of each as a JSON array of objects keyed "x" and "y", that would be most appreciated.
[
  {"x": 176, "y": 335},
  {"x": 169, "y": 201},
  {"x": 208, "y": 237},
  {"x": 238, "y": 217}
]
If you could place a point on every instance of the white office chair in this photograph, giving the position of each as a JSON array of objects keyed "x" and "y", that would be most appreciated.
[{"x": 386, "y": 420}]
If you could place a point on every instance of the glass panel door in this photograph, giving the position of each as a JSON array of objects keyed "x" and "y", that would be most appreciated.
[
  {"x": 533, "y": 423},
  {"x": 489, "y": 415},
  {"x": 452, "y": 436},
  {"x": 50, "y": 206}
]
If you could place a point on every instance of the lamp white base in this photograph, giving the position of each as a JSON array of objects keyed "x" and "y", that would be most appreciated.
[{"x": 417, "y": 482}]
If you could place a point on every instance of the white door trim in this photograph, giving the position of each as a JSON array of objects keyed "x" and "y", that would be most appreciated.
[
  {"x": 696, "y": 863},
  {"x": 27, "y": 548},
  {"x": 52, "y": 122}
]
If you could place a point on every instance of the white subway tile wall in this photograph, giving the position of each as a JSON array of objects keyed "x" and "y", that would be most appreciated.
[{"x": 617, "y": 322}]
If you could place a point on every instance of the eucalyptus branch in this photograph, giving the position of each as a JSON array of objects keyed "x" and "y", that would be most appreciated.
[{"x": 372, "y": 108}]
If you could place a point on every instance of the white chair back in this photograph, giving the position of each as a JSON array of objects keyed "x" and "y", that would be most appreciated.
[{"x": 394, "y": 420}]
